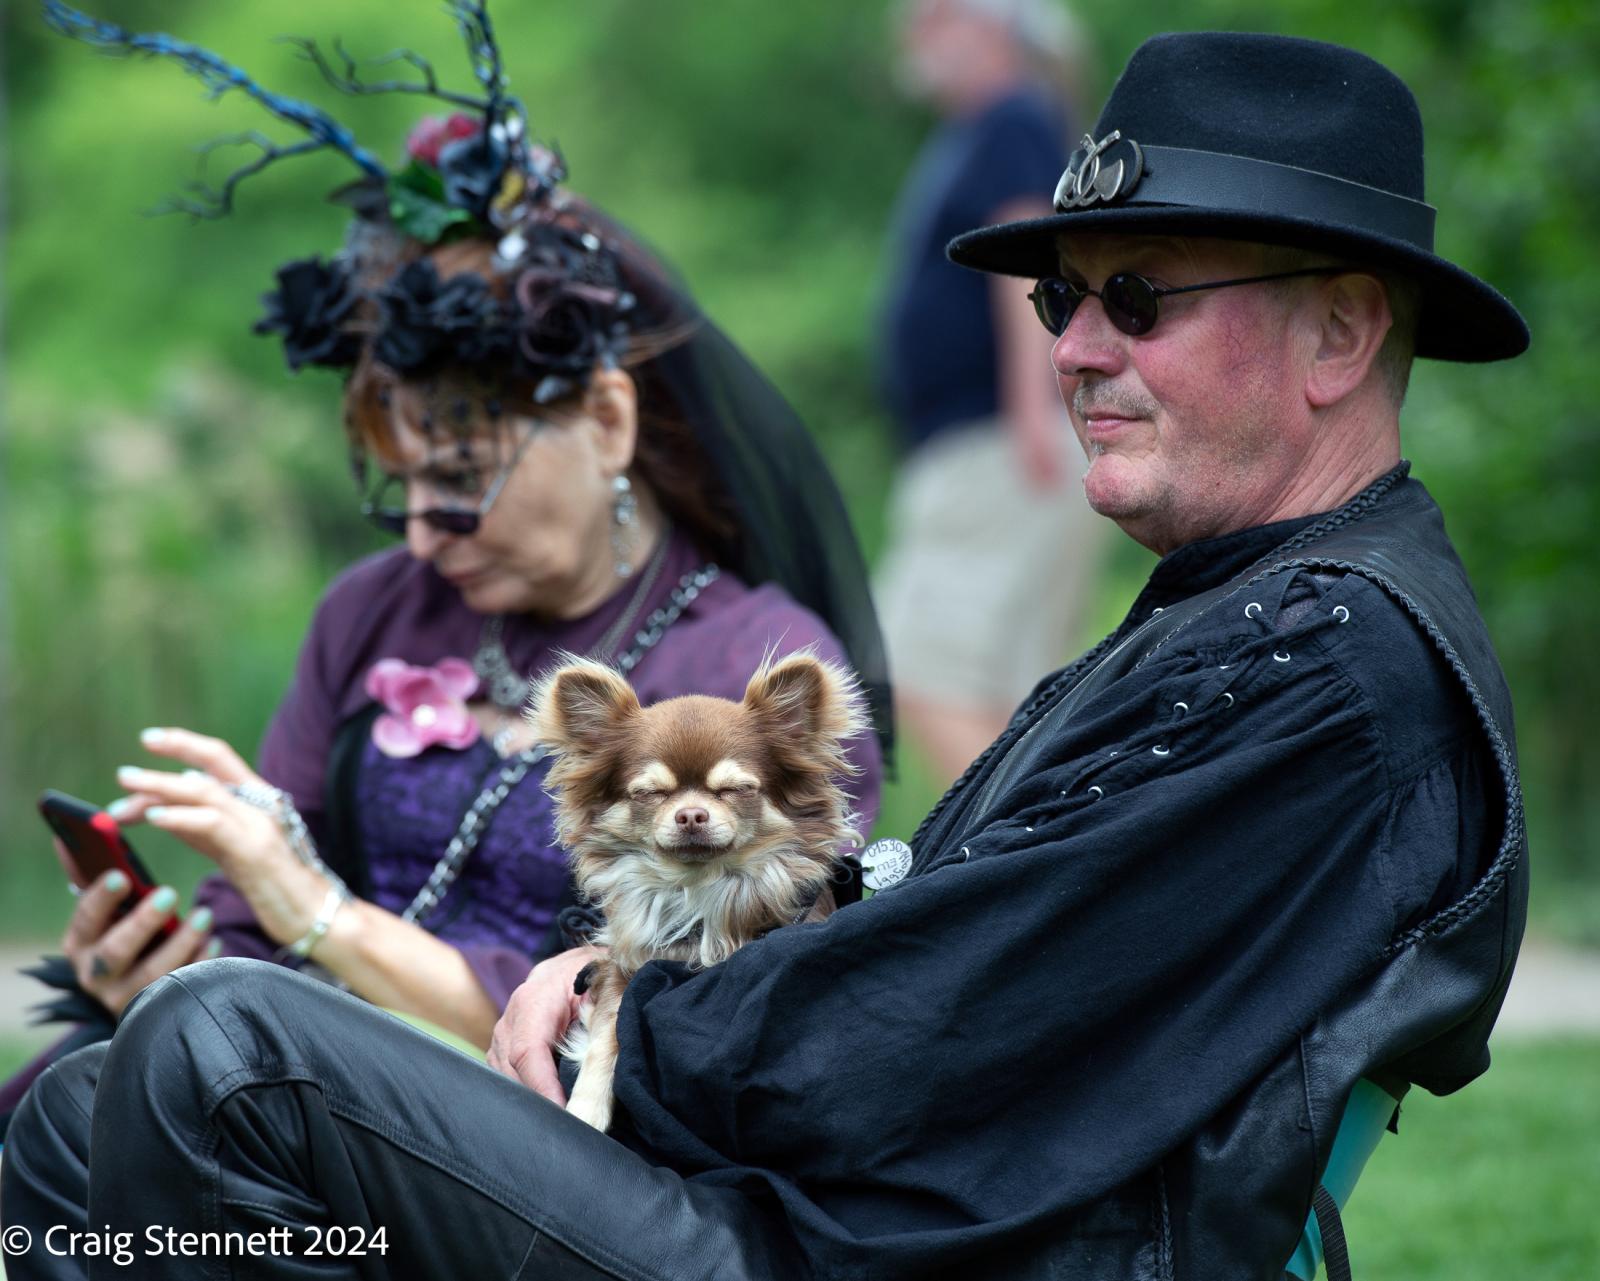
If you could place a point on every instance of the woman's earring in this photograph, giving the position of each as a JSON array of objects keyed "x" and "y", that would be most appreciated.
[{"x": 624, "y": 514}]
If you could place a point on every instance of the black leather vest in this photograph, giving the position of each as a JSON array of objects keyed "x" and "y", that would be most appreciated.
[{"x": 1232, "y": 1201}]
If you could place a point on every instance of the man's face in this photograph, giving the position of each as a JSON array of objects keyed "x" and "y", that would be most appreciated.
[
  {"x": 938, "y": 43},
  {"x": 1196, "y": 428}
]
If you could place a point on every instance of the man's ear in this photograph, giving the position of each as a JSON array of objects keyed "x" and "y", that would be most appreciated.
[
  {"x": 612, "y": 402},
  {"x": 577, "y": 706},
  {"x": 811, "y": 706},
  {"x": 1354, "y": 315}
]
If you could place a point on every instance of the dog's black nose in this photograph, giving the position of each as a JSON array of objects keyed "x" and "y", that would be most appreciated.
[{"x": 692, "y": 817}]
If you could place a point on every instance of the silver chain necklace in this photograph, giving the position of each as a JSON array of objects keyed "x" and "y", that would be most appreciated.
[{"x": 476, "y": 820}]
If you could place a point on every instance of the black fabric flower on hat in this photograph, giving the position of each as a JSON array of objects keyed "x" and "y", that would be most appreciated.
[
  {"x": 311, "y": 308},
  {"x": 427, "y": 320},
  {"x": 472, "y": 170}
]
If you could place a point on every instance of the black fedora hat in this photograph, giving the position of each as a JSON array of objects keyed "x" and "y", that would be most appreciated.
[{"x": 1269, "y": 139}]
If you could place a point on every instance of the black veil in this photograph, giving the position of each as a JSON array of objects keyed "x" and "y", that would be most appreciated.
[{"x": 792, "y": 526}]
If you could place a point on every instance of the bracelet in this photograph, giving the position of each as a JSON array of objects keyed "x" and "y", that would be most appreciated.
[{"x": 338, "y": 895}]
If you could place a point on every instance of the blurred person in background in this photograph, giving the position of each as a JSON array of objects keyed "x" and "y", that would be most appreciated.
[
  {"x": 992, "y": 549},
  {"x": 579, "y": 462}
]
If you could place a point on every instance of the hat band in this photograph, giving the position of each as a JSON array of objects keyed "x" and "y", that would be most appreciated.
[{"x": 1215, "y": 181}]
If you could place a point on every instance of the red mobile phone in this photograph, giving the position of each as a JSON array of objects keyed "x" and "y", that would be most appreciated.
[{"x": 97, "y": 845}]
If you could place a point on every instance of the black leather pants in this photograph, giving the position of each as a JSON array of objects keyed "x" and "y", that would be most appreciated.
[{"x": 240, "y": 1098}]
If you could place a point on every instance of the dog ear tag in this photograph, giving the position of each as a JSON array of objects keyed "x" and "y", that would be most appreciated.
[{"x": 885, "y": 863}]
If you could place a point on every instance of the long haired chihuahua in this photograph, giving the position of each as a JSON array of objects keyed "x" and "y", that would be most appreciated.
[{"x": 694, "y": 825}]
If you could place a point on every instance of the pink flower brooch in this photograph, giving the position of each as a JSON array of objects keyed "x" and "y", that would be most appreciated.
[{"x": 422, "y": 705}]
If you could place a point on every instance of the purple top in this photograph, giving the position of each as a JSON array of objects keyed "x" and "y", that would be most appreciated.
[{"x": 393, "y": 606}]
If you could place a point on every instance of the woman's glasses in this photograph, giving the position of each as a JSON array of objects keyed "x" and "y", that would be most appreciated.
[
  {"x": 386, "y": 509},
  {"x": 1131, "y": 302}
]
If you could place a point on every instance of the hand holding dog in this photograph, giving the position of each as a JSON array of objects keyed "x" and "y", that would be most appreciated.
[{"x": 535, "y": 1021}]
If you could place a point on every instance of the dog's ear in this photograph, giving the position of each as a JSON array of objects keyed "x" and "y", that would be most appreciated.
[
  {"x": 576, "y": 706},
  {"x": 805, "y": 698}
]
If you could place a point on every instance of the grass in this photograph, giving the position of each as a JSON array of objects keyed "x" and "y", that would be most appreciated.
[
  {"x": 1496, "y": 1183},
  {"x": 1493, "y": 1184}
]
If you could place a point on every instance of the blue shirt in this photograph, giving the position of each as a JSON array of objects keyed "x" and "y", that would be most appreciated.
[{"x": 938, "y": 359}]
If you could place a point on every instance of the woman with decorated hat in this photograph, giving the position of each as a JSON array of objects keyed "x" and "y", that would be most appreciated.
[{"x": 579, "y": 462}]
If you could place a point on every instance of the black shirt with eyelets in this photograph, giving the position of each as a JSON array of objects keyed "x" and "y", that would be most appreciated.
[{"x": 1127, "y": 921}]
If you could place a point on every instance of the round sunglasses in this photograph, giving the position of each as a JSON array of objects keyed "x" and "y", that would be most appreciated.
[
  {"x": 1131, "y": 302},
  {"x": 462, "y": 521}
]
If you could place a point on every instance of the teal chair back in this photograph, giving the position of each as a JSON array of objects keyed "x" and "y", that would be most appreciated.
[{"x": 1366, "y": 1117}]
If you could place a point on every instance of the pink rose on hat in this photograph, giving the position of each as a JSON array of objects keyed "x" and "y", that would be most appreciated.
[{"x": 431, "y": 133}]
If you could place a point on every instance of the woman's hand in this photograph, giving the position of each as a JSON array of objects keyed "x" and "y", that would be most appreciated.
[
  {"x": 536, "y": 1018},
  {"x": 106, "y": 953},
  {"x": 245, "y": 842}
]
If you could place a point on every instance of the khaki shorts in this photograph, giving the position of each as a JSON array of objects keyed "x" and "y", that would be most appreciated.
[{"x": 985, "y": 582}]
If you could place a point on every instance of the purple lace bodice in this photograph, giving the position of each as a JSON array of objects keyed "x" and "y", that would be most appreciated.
[{"x": 409, "y": 809}]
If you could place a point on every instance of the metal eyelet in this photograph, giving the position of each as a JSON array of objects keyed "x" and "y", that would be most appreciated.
[
  {"x": 1161, "y": 751},
  {"x": 1159, "y": 609},
  {"x": 965, "y": 853},
  {"x": 1278, "y": 656},
  {"x": 1027, "y": 829},
  {"x": 1341, "y": 614},
  {"x": 1096, "y": 791},
  {"x": 1255, "y": 605},
  {"x": 1180, "y": 708},
  {"x": 1224, "y": 667},
  {"x": 1229, "y": 697},
  {"x": 1113, "y": 751}
]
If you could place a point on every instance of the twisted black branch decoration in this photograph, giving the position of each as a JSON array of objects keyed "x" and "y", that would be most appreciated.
[
  {"x": 219, "y": 76},
  {"x": 348, "y": 81},
  {"x": 217, "y": 202}
]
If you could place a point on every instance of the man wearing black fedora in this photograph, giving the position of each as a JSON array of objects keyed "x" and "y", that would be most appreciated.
[{"x": 1256, "y": 855}]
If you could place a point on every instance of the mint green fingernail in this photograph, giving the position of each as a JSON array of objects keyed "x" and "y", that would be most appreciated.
[
  {"x": 165, "y": 899},
  {"x": 213, "y": 949},
  {"x": 156, "y": 813},
  {"x": 117, "y": 883},
  {"x": 120, "y": 808},
  {"x": 150, "y": 737},
  {"x": 200, "y": 920}
]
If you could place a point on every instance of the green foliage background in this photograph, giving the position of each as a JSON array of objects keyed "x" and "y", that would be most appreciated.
[{"x": 173, "y": 504}]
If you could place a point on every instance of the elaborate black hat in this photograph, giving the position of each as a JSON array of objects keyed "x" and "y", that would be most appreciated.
[{"x": 1270, "y": 139}]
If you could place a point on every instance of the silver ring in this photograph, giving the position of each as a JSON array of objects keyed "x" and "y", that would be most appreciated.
[
  {"x": 965, "y": 853},
  {"x": 1161, "y": 751},
  {"x": 1229, "y": 697},
  {"x": 1097, "y": 791},
  {"x": 1255, "y": 605},
  {"x": 1180, "y": 708},
  {"x": 1341, "y": 614},
  {"x": 262, "y": 795},
  {"x": 1278, "y": 656}
]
